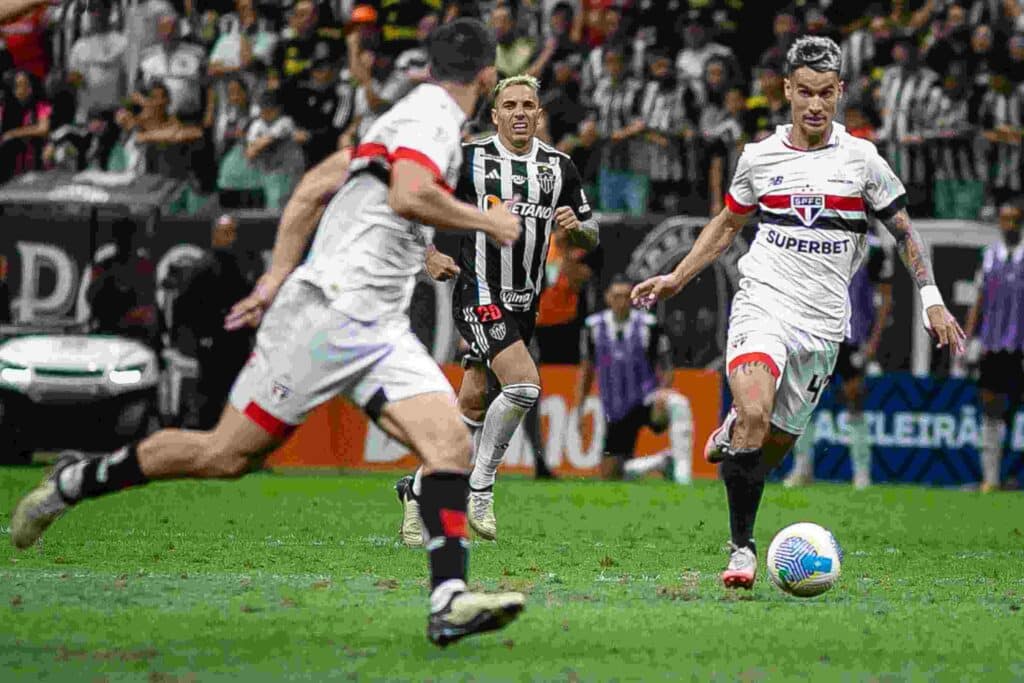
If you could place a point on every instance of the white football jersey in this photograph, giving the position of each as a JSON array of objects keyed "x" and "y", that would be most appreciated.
[
  {"x": 812, "y": 231},
  {"x": 365, "y": 257}
]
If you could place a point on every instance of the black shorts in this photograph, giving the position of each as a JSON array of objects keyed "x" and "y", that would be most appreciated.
[
  {"x": 1002, "y": 372},
  {"x": 491, "y": 328},
  {"x": 620, "y": 435},
  {"x": 849, "y": 363}
]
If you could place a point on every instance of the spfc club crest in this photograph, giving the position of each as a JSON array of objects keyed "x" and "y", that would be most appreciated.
[
  {"x": 807, "y": 206},
  {"x": 279, "y": 392},
  {"x": 497, "y": 331}
]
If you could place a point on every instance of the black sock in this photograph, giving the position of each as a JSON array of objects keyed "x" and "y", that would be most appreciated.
[
  {"x": 443, "y": 508},
  {"x": 99, "y": 476},
  {"x": 744, "y": 484}
]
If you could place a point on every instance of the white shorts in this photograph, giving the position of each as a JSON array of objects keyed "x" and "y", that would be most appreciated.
[
  {"x": 801, "y": 362},
  {"x": 307, "y": 353}
]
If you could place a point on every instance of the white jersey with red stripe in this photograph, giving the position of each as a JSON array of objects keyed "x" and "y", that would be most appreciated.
[
  {"x": 812, "y": 232},
  {"x": 365, "y": 257}
]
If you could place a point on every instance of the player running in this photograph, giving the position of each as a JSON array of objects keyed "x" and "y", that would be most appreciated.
[
  {"x": 496, "y": 291},
  {"x": 814, "y": 184},
  {"x": 338, "y": 326}
]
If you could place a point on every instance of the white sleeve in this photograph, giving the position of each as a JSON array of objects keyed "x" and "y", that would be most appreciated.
[
  {"x": 742, "y": 198},
  {"x": 433, "y": 145},
  {"x": 883, "y": 191}
]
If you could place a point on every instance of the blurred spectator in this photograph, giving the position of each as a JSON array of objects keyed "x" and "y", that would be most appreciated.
[
  {"x": 995, "y": 327},
  {"x": 96, "y": 65},
  {"x": 666, "y": 121},
  {"x": 24, "y": 126},
  {"x": 515, "y": 52},
  {"x": 122, "y": 291},
  {"x": 563, "y": 47},
  {"x": 722, "y": 128},
  {"x": 246, "y": 43},
  {"x": 323, "y": 106},
  {"x": 903, "y": 95},
  {"x": 74, "y": 147},
  {"x": 299, "y": 44},
  {"x": 238, "y": 182},
  {"x": 585, "y": 151},
  {"x": 560, "y": 99},
  {"x": 223, "y": 276},
  {"x": 867, "y": 48},
  {"x": 1001, "y": 119},
  {"x": 785, "y": 28},
  {"x": 24, "y": 39},
  {"x": 858, "y": 124},
  {"x": 769, "y": 107},
  {"x": 273, "y": 147},
  {"x": 616, "y": 105},
  {"x": 399, "y": 23},
  {"x": 949, "y": 40},
  {"x": 177, "y": 64},
  {"x": 983, "y": 59},
  {"x": 142, "y": 26},
  {"x": 958, "y": 188},
  {"x": 695, "y": 56},
  {"x": 618, "y": 37}
]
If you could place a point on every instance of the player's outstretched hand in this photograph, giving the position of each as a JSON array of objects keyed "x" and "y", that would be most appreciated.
[
  {"x": 502, "y": 225},
  {"x": 945, "y": 329},
  {"x": 440, "y": 266},
  {"x": 655, "y": 289},
  {"x": 249, "y": 311}
]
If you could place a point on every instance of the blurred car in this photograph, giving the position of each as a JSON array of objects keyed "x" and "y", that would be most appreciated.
[{"x": 84, "y": 391}]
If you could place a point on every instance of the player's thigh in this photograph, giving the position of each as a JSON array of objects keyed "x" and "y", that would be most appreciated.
[
  {"x": 496, "y": 335},
  {"x": 756, "y": 357},
  {"x": 808, "y": 370},
  {"x": 408, "y": 395},
  {"x": 515, "y": 365}
]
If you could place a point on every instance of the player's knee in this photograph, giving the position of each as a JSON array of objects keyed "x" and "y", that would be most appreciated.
[
  {"x": 449, "y": 450},
  {"x": 473, "y": 407},
  {"x": 523, "y": 394}
]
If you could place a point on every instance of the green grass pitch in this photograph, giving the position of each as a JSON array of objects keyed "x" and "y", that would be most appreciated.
[{"x": 302, "y": 578}]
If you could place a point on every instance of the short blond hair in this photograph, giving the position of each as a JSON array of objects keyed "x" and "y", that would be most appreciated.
[{"x": 530, "y": 82}]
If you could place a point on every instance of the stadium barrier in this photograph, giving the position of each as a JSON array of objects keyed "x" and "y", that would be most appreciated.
[
  {"x": 337, "y": 435},
  {"x": 924, "y": 430}
]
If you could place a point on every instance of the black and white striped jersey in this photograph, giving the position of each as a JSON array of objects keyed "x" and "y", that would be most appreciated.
[{"x": 533, "y": 186}]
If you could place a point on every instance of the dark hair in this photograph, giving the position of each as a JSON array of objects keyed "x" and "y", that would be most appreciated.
[
  {"x": 460, "y": 50},
  {"x": 620, "y": 279},
  {"x": 815, "y": 52}
]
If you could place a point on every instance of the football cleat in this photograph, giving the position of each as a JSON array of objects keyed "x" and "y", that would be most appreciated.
[
  {"x": 481, "y": 513},
  {"x": 42, "y": 505},
  {"x": 412, "y": 523},
  {"x": 742, "y": 569},
  {"x": 470, "y": 613},
  {"x": 718, "y": 442}
]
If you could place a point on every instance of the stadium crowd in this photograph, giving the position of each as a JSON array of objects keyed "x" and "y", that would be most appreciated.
[{"x": 652, "y": 98}]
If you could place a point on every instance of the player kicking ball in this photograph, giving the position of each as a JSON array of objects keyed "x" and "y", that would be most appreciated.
[
  {"x": 337, "y": 326},
  {"x": 497, "y": 287},
  {"x": 814, "y": 185}
]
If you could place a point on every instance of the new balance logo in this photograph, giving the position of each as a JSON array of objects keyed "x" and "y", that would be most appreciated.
[{"x": 493, "y": 175}]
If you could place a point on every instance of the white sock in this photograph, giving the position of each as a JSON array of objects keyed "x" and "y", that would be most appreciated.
[
  {"x": 417, "y": 482},
  {"x": 803, "y": 453},
  {"x": 475, "y": 428},
  {"x": 991, "y": 450},
  {"x": 680, "y": 436},
  {"x": 440, "y": 596},
  {"x": 638, "y": 467},
  {"x": 503, "y": 417}
]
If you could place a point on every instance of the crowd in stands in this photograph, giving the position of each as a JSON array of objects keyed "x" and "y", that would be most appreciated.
[{"x": 653, "y": 99}]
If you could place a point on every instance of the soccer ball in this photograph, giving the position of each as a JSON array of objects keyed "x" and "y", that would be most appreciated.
[{"x": 804, "y": 559}]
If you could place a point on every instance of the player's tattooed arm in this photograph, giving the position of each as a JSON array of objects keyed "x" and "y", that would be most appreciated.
[
  {"x": 914, "y": 254},
  {"x": 911, "y": 248}
]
